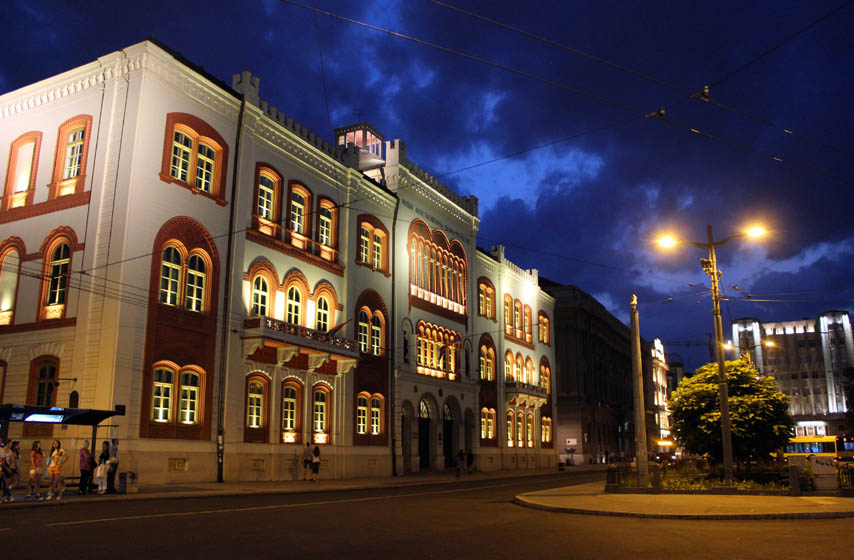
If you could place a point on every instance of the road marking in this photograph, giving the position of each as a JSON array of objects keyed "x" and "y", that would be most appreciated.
[{"x": 278, "y": 506}]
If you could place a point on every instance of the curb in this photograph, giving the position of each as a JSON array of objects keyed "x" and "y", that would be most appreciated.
[
  {"x": 697, "y": 517},
  {"x": 225, "y": 492}
]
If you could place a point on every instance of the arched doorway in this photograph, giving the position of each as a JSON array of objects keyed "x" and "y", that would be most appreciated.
[
  {"x": 425, "y": 415},
  {"x": 450, "y": 431}
]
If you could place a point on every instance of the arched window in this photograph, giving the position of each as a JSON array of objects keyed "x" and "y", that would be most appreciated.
[
  {"x": 543, "y": 324},
  {"x": 437, "y": 350},
  {"x": 170, "y": 276},
  {"x": 266, "y": 195},
  {"x": 189, "y": 411},
  {"x": 260, "y": 296},
  {"x": 483, "y": 419},
  {"x": 298, "y": 204},
  {"x": 73, "y": 160},
  {"x": 163, "y": 388},
  {"x": 72, "y": 147},
  {"x": 517, "y": 318},
  {"x": 21, "y": 173},
  {"x": 490, "y": 424},
  {"x": 508, "y": 315},
  {"x": 520, "y": 429},
  {"x": 423, "y": 409},
  {"x": 293, "y": 306},
  {"x": 510, "y": 424},
  {"x": 324, "y": 231},
  {"x": 194, "y": 156},
  {"x": 509, "y": 374},
  {"x": 362, "y": 415},
  {"x": 60, "y": 264},
  {"x": 530, "y": 430},
  {"x": 528, "y": 336},
  {"x": 546, "y": 430},
  {"x": 363, "y": 332},
  {"x": 320, "y": 414},
  {"x": 376, "y": 415},
  {"x": 520, "y": 369},
  {"x": 291, "y": 399},
  {"x": 376, "y": 335},
  {"x": 545, "y": 376},
  {"x": 321, "y": 322},
  {"x": 529, "y": 371},
  {"x": 196, "y": 274},
  {"x": 10, "y": 269},
  {"x": 255, "y": 405}
]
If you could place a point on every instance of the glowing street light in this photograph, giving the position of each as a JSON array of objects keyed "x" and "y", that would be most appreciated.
[{"x": 710, "y": 267}]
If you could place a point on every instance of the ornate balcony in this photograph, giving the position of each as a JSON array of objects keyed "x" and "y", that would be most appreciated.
[
  {"x": 331, "y": 353},
  {"x": 524, "y": 395}
]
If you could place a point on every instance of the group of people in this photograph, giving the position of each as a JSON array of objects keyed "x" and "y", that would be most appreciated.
[
  {"x": 103, "y": 469},
  {"x": 310, "y": 461},
  {"x": 465, "y": 460}
]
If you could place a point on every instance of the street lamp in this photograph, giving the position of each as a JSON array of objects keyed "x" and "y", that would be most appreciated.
[{"x": 710, "y": 267}]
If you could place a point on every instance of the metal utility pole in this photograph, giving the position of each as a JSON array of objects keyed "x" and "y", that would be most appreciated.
[
  {"x": 711, "y": 269},
  {"x": 640, "y": 409}
]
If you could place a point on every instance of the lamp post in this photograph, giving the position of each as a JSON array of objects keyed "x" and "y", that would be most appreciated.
[{"x": 710, "y": 267}]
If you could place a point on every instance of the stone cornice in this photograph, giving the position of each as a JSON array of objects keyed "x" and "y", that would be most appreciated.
[{"x": 409, "y": 180}]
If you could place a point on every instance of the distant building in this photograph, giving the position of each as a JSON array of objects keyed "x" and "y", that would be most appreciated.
[
  {"x": 656, "y": 391},
  {"x": 675, "y": 375},
  {"x": 807, "y": 358},
  {"x": 593, "y": 379}
]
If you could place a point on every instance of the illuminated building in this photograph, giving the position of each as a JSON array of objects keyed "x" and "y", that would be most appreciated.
[
  {"x": 807, "y": 359},
  {"x": 184, "y": 248}
]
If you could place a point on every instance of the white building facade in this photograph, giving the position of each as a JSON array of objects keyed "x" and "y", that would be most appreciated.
[{"x": 187, "y": 250}]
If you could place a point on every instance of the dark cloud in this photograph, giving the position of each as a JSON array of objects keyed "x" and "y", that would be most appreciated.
[{"x": 585, "y": 211}]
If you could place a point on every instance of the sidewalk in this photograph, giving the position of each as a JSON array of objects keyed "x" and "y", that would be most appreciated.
[
  {"x": 209, "y": 489},
  {"x": 591, "y": 499}
]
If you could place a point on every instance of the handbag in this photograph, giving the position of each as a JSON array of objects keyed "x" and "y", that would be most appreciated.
[{"x": 101, "y": 471}]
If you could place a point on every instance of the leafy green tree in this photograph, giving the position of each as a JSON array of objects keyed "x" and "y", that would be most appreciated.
[{"x": 758, "y": 412}]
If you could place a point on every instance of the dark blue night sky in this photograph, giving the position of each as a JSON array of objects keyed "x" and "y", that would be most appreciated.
[{"x": 583, "y": 211}]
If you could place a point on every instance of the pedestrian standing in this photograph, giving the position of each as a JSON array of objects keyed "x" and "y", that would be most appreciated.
[
  {"x": 307, "y": 457},
  {"x": 34, "y": 482},
  {"x": 14, "y": 456},
  {"x": 315, "y": 463},
  {"x": 461, "y": 461},
  {"x": 58, "y": 458},
  {"x": 5, "y": 473},
  {"x": 469, "y": 461},
  {"x": 113, "y": 464},
  {"x": 85, "y": 468},
  {"x": 101, "y": 470}
]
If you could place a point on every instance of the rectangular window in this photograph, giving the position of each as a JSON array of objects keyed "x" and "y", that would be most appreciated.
[
  {"x": 375, "y": 417},
  {"x": 289, "y": 409},
  {"x": 24, "y": 167},
  {"x": 161, "y": 406},
  {"x": 362, "y": 416},
  {"x": 182, "y": 149},
  {"x": 266, "y": 189},
  {"x": 195, "y": 290},
  {"x": 205, "y": 168},
  {"x": 297, "y": 212},
  {"x": 376, "y": 340},
  {"x": 325, "y": 231},
  {"x": 73, "y": 154},
  {"x": 319, "y": 411},
  {"x": 378, "y": 251},
  {"x": 255, "y": 405},
  {"x": 189, "y": 398},
  {"x": 364, "y": 245}
]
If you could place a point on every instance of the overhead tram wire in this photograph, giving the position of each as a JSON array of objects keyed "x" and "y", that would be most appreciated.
[
  {"x": 702, "y": 95},
  {"x": 577, "y": 91}
]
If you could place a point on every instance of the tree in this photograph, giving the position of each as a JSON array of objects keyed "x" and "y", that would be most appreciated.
[{"x": 758, "y": 413}]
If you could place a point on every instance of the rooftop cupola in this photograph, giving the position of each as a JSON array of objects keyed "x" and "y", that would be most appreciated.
[{"x": 367, "y": 139}]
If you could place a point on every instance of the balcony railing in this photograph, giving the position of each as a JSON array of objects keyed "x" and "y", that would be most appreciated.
[
  {"x": 291, "y": 340},
  {"x": 519, "y": 393}
]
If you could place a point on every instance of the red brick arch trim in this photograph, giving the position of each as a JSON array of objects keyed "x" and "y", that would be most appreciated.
[
  {"x": 373, "y": 301},
  {"x": 265, "y": 267},
  {"x": 198, "y": 130},
  {"x": 64, "y": 232}
]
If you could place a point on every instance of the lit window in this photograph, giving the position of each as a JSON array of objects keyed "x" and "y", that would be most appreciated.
[
  {"x": 293, "y": 301},
  {"x": 322, "y": 319},
  {"x": 364, "y": 244},
  {"x": 298, "y": 212},
  {"x": 195, "y": 298},
  {"x": 161, "y": 405},
  {"x": 266, "y": 191},
  {"x": 319, "y": 417},
  {"x": 546, "y": 426},
  {"x": 170, "y": 274},
  {"x": 530, "y": 430},
  {"x": 205, "y": 168},
  {"x": 510, "y": 428},
  {"x": 508, "y": 317},
  {"x": 260, "y": 295},
  {"x": 483, "y": 419},
  {"x": 509, "y": 375},
  {"x": 255, "y": 405},
  {"x": 378, "y": 251},
  {"x": 490, "y": 424},
  {"x": 375, "y": 416},
  {"x": 376, "y": 336},
  {"x": 361, "y": 415},
  {"x": 182, "y": 150},
  {"x": 527, "y": 324},
  {"x": 363, "y": 332},
  {"x": 520, "y": 430},
  {"x": 289, "y": 409},
  {"x": 483, "y": 373},
  {"x": 488, "y": 303},
  {"x": 57, "y": 284},
  {"x": 481, "y": 301},
  {"x": 189, "y": 398},
  {"x": 325, "y": 230},
  {"x": 73, "y": 153}
]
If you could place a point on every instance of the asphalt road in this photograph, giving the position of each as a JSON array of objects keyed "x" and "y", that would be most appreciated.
[{"x": 454, "y": 521}]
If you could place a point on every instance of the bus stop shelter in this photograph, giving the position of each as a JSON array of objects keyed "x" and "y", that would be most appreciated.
[{"x": 56, "y": 415}]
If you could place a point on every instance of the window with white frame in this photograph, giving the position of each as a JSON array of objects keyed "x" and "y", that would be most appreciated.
[
  {"x": 196, "y": 274},
  {"x": 255, "y": 405},
  {"x": 294, "y": 300},
  {"x": 161, "y": 404},
  {"x": 189, "y": 413},
  {"x": 170, "y": 276},
  {"x": 260, "y": 295},
  {"x": 322, "y": 315},
  {"x": 362, "y": 415},
  {"x": 57, "y": 284},
  {"x": 73, "y": 153},
  {"x": 376, "y": 408}
]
